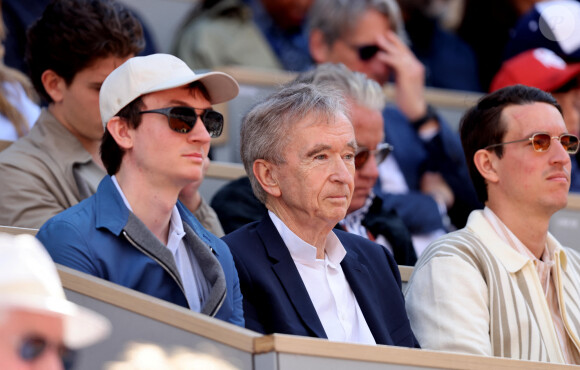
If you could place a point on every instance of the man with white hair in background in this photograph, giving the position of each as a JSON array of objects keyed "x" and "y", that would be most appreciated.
[{"x": 38, "y": 326}]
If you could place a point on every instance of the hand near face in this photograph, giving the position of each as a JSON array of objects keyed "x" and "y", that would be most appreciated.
[
  {"x": 409, "y": 75},
  {"x": 189, "y": 195},
  {"x": 432, "y": 183}
]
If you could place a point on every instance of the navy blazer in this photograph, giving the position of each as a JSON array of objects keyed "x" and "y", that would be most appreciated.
[{"x": 276, "y": 300}]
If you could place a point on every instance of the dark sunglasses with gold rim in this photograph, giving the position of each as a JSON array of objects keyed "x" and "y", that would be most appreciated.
[
  {"x": 363, "y": 154},
  {"x": 183, "y": 119}
]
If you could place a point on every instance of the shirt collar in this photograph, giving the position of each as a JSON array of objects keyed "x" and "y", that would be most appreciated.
[
  {"x": 176, "y": 229},
  {"x": 486, "y": 224},
  {"x": 303, "y": 252}
]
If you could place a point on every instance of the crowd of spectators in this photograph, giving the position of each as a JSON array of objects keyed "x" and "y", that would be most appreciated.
[{"x": 111, "y": 142}]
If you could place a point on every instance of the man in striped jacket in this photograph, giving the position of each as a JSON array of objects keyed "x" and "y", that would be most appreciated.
[{"x": 504, "y": 286}]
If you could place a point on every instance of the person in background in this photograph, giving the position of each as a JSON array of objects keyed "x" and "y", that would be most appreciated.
[
  {"x": 19, "y": 15},
  {"x": 425, "y": 179},
  {"x": 504, "y": 286},
  {"x": 39, "y": 327},
  {"x": 486, "y": 28},
  {"x": 18, "y": 101},
  {"x": 449, "y": 62},
  {"x": 70, "y": 51},
  {"x": 547, "y": 24},
  {"x": 298, "y": 275},
  {"x": 269, "y": 34},
  {"x": 236, "y": 204},
  {"x": 158, "y": 121},
  {"x": 544, "y": 69}
]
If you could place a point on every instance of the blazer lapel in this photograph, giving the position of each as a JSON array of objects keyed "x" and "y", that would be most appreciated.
[
  {"x": 362, "y": 285},
  {"x": 289, "y": 277}
]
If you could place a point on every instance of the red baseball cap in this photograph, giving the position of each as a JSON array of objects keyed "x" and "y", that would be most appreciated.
[{"x": 540, "y": 68}]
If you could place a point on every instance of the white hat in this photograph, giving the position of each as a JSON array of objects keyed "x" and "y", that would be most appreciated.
[
  {"x": 157, "y": 72},
  {"x": 29, "y": 281}
]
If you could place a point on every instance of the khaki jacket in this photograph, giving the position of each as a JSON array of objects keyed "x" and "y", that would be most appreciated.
[{"x": 40, "y": 174}]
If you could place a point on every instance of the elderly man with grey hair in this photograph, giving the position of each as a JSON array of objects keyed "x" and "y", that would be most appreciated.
[
  {"x": 236, "y": 205},
  {"x": 425, "y": 179},
  {"x": 298, "y": 275}
]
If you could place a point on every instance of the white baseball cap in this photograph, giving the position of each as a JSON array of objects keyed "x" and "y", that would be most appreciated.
[
  {"x": 158, "y": 72},
  {"x": 29, "y": 281}
]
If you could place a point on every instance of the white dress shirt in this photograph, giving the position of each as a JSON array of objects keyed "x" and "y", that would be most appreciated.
[
  {"x": 194, "y": 283},
  {"x": 327, "y": 286}
]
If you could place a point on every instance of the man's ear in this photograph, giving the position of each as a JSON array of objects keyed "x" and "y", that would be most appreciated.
[
  {"x": 265, "y": 173},
  {"x": 53, "y": 84},
  {"x": 121, "y": 132},
  {"x": 319, "y": 49},
  {"x": 486, "y": 163}
]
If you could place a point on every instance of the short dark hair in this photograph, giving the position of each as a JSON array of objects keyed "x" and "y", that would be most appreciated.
[
  {"x": 111, "y": 153},
  {"x": 72, "y": 34},
  {"x": 482, "y": 125}
]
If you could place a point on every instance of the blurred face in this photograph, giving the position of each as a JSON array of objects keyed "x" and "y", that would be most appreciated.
[
  {"x": 368, "y": 129},
  {"x": 165, "y": 157},
  {"x": 570, "y": 103},
  {"x": 78, "y": 110},
  {"x": 370, "y": 26},
  {"x": 316, "y": 182},
  {"x": 16, "y": 327},
  {"x": 287, "y": 14},
  {"x": 527, "y": 178}
]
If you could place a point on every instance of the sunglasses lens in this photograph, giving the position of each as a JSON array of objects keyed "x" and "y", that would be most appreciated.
[
  {"x": 383, "y": 153},
  {"x": 367, "y": 52},
  {"x": 213, "y": 122},
  {"x": 361, "y": 158},
  {"x": 541, "y": 142},
  {"x": 570, "y": 143},
  {"x": 182, "y": 119},
  {"x": 31, "y": 348}
]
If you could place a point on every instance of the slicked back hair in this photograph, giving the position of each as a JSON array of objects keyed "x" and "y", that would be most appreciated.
[{"x": 482, "y": 125}]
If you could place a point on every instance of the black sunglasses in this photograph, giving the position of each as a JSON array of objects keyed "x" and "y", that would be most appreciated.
[
  {"x": 182, "y": 119},
  {"x": 365, "y": 52},
  {"x": 541, "y": 142},
  {"x": 32, "y": 347},
  {"x": 363, "y": 154}
]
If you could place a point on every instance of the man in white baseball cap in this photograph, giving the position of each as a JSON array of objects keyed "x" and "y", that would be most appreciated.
[
  {"x": 158, "y": 120},
  {"x": 38, "y": 325}
]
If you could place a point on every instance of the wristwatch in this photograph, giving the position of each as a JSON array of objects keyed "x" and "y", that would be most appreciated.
[{"x": 431, "y": 113}]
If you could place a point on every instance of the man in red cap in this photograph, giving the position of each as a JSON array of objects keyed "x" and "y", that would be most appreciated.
[{"x": 543, "y": 69}]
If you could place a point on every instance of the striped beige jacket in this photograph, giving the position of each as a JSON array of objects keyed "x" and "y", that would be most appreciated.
[{"x": 472, "y": 293}]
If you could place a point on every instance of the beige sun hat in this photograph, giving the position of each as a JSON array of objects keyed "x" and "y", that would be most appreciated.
[
  {"x": 158, "y": 72},
  {"x": 29, "y": 281}
]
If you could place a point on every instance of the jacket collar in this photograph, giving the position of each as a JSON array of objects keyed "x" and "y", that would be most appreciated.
[
  {"x": 510, "y": 258},
  {"x": 113, "y": 215},
  {"x": 288, "y": 275},
  {"x": 358, "y": 277}
]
